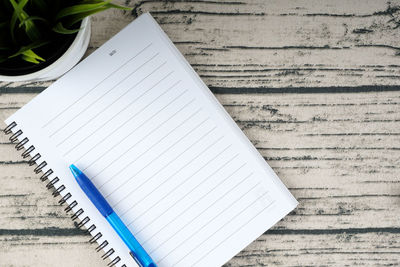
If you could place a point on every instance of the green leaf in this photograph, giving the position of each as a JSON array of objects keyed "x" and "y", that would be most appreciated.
[
  {"x": 111, "y": 5},
  {"x": 76, "y": 9},
  {"x": 31, "y": 18},
  {"x": 12, "y": 26},
  {"x": 18, "y": 8},
  {"x": 30, "y": 59},
  {"x": 25, "y": 24},
  {"x": 71, "y": 20},
  {"x": 31, "y": 56},
  {"x": 59, "y": 28},
  {"x": 33, "y": 45},
  {"x": 30, "y": 28}
]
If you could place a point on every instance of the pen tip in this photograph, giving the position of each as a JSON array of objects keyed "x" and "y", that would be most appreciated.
[{"x": 75, "y": 171}]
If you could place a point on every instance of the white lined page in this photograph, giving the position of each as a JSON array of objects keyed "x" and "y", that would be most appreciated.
[{"x": 160, "y": 148}]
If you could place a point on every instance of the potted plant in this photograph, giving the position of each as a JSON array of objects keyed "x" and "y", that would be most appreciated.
[{"x": 43, "y": 39}]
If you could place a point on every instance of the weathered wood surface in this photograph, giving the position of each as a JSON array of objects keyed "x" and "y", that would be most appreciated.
[
  {"x": 241, "y": 46},
  {"x": 278, "y": 68}
]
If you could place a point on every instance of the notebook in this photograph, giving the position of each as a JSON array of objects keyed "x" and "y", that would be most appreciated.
[{"x": 138, "y": 120}]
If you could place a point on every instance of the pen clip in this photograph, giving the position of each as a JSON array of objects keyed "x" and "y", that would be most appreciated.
[{"x": 135, "y": 258}]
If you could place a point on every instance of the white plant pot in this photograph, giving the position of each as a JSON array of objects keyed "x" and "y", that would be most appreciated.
[{"x": 69, "y": 59}]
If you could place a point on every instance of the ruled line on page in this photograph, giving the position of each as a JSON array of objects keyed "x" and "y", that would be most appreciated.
[
  {"x": 138, "y": 127},
  {"x": 108, "y": 106},
  {"x": 152, "y": 146},
  {"x": 194, "y": 188},
  {"x": 107, "y": 136},
  {"x": 201, "y": 212},
  {"x": 172, "y": 160},
  {"x": 172, "y": 116},
  {"x": 176, "y": 172},
  {"x": 85, "y": 94},
  {"x": 162, "y": 153},
  {"x": 187, "y": 193},
  {"x": 235, "y": 231},
  {"x": 129, "y": 119},
  {"x": 209, "y": 222},
  {"x": 108, "y": 91},
  {"x": 187, "y": 178},
  {"x": 225, "y": 224}
]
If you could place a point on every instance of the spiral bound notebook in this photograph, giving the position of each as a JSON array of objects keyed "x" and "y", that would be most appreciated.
[{"x": 136, "y": 118}]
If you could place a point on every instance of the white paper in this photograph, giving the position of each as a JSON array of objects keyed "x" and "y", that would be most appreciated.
[{"x": 137, "y": 119}]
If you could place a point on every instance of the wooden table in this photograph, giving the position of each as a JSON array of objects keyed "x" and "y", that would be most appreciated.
[{"x": 313, "y": 84}]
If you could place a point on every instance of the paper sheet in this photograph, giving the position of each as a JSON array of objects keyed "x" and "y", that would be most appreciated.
[{"x": 139, "y": 122}]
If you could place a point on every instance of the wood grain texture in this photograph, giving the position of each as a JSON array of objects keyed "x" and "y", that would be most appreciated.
[
  {"x": 268, "y": 46},
  {"x": 313, "y": 84},
  {"x": 338, "y": 154}
]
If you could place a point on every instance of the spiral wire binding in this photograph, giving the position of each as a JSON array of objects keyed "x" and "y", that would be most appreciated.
[{"x": 57, "y": 189}]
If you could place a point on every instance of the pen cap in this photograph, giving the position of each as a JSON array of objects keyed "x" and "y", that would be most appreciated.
[{"x": 91, "y": 191}]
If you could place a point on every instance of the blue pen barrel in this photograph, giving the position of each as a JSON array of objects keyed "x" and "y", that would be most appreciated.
[
  {"x": 137, "y": 251},
  {"x": 91, "y": 191},
  {"x": 139, "y": 254}
]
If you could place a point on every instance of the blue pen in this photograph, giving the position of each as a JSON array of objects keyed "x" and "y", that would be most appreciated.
[{"x": 137, "y": 251}]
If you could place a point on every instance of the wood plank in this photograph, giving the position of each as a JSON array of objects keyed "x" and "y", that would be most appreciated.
[
  {"x": 268, "y": 46},
  {"x": 48, "y": 251},
  {"x": 341, "y": 249},
  {"x": 336, "y": 152},
  {"x": 273, "y": 249},
  {"x": 26, "y": 204}
]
